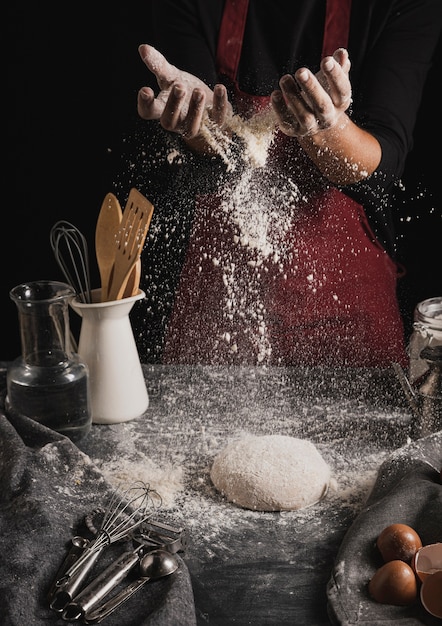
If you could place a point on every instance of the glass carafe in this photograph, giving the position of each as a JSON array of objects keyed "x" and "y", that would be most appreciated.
[{"x": 48, "y": 382}]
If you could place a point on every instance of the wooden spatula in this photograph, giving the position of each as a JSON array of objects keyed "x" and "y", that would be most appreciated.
[
  {"x": 133, "y": 281},
  {"x": 108, "y": 223},
  {"x": 129, "y": 241}
]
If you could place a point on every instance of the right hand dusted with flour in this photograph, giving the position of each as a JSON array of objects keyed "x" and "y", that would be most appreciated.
[
  {"x": 313, "y": 109},
  {"x": 308, "y": 103}
]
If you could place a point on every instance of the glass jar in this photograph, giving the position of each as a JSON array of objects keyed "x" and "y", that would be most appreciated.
[
  {"x": 48, "y": 382},
  {"x": 427, "y": 331}
]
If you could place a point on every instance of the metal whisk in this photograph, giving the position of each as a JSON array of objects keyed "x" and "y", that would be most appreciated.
[{"x": 72, "y": 255}]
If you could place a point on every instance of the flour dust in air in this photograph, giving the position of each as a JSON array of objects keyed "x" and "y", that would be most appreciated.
[{"x": 256, "y": 205}]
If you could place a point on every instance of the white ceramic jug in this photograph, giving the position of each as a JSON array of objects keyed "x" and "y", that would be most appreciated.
[{"x": 117, "y": 386}]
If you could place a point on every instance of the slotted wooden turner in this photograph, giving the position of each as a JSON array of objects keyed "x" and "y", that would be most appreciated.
[
  {"x": 133, "y": 281},
  {"x": 130, "y": 239}
]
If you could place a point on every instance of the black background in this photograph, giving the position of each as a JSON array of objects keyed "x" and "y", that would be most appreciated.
[{"x": 69, "y": 106}]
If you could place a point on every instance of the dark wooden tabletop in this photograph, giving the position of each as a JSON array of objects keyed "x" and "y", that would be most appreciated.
[{"x": 252, "y": 567}]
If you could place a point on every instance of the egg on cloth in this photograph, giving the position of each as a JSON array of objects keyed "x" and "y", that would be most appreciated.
[
  {"x": 398, "y": 541},
  {"x": 394, "y": 583},
  {"x": 408, "y": 565},
  {"x": 407, "y": 490}
]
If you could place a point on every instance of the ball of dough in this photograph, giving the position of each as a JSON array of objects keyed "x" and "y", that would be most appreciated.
[{"x": 270, "y": 473}]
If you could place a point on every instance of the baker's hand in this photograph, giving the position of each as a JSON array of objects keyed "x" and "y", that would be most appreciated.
[
  {"x": 307, "y": 103},
  {"x": 183, "y": 98}
]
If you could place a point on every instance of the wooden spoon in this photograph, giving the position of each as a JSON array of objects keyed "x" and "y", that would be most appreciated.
[{"x": 106, "y": 229}]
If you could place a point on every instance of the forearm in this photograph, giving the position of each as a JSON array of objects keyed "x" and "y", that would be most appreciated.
[{"x": 344, "y": 153}]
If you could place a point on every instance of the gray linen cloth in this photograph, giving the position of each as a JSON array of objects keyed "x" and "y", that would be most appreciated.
[
  {"x": 47, "y": 487},
  {"x": 408, "y": 490}
]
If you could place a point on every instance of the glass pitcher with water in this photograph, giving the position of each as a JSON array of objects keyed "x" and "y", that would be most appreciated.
[{"x": 48, "y": 382}]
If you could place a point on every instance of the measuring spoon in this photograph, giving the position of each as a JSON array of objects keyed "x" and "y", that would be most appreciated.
[{"x": 153, "y": 565}]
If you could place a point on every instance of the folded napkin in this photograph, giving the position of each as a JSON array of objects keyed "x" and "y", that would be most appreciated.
[
  {"x": 408, "y": 490},
  {"x": 47, "y": 487}
]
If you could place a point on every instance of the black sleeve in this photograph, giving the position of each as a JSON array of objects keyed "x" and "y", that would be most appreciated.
[
  {"x": 186, "y": 33},
  {"x": 390, "y": 70}
]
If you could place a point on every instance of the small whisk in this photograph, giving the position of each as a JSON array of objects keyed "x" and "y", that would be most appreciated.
[
  {"x": 72, "y": 255},
  {"x": 127, "y": 510}
]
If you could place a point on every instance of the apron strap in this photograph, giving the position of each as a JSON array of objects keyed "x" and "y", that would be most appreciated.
[
  {"x": 337, "y": 26},
  {"x": 231, "y": 36}
]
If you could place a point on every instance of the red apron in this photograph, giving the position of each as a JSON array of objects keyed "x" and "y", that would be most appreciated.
[{"x": 329, "y": 300}]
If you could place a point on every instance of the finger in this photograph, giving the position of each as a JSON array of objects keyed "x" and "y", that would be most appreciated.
[
  {"x": 218, "y": 111},
  {"x": 158, "y": 65},
  {"x": 341, "y": 56},
  {"x": 285, "y": 120},
  {"x": 288, "y": 122},
  {"x": 148, "y": 108},
  {"x": 339, "y": 86},
  {"x": 300, "y": 102},
  {"x": 192, "y": 123},
  {"x": 174, "y": 111},
  {"x": 318, "y": 99}
]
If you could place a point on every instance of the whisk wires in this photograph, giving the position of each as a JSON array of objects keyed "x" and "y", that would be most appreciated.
[
  {"x": 71, "y": 253},
  {"x": 125, "y": 512}
]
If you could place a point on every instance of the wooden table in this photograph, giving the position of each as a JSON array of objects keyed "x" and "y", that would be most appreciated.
[{"x": 250, "y": 567}]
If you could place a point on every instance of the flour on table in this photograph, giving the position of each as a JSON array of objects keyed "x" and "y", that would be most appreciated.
[
  {"x": 166, "y": 481},
  {"x": 271, "y": 473}
]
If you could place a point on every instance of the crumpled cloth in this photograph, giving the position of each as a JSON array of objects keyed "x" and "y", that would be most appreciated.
[
  {"x": 408, "y": 490},
  {"x": 47, "y": 487}
]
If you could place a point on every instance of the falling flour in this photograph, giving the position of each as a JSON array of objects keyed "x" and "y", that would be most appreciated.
[
  {"x": 252, "y": 229},
  {"x": 258, "y": 211},
  {"x": 256, "y": 133}
]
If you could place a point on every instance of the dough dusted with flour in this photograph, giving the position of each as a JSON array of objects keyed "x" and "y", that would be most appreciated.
[{"x": 270, "y": 473}]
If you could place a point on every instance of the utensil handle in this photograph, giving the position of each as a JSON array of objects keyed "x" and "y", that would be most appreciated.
[
  {"x": 78, "y": 545},
  {"x": 91, "y": 595},
  {"x": 67, "y": 586},
  {"x": 95, "y": 616}
]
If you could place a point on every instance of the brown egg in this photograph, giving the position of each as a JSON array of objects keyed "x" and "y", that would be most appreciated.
[
  {"x": 398, "y": 541},
  {"x": 394, "y": 583},
  {"x": 431, "y": 594}
]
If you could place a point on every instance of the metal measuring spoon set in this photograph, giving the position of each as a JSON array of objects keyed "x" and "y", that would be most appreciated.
[{"x": 76, "y": 596}]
